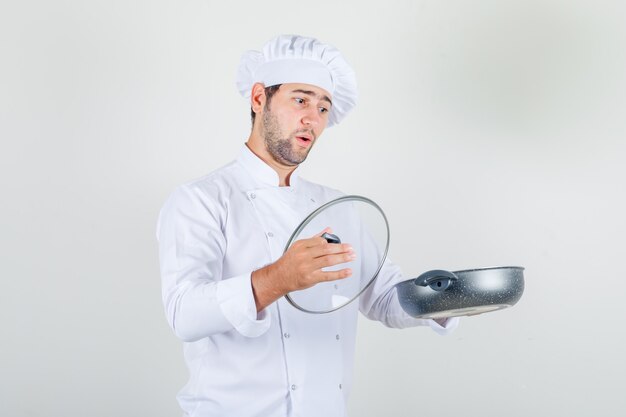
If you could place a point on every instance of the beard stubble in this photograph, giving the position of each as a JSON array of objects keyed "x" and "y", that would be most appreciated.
[{"x": 281, "y": 148}]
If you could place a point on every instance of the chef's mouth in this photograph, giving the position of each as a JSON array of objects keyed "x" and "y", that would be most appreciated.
[{"x": 304, "y": 140}]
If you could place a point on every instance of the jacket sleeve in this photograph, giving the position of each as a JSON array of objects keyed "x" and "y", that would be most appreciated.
[
  {"x": 198, "y": 300},
  {"x": 380, "y": 302}
]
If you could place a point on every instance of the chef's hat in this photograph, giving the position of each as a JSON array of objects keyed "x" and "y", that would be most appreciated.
[{"x": 296, "y": 59}]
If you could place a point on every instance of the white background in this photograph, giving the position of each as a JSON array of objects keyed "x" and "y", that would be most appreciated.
[{"x": 491, "y": 132}]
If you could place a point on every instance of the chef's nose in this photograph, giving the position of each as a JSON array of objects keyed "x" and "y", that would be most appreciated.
[{"x": 312, "y": 117}]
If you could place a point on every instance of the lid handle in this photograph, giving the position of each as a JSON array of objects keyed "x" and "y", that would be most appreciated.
[{"x": 330, "y": 238}]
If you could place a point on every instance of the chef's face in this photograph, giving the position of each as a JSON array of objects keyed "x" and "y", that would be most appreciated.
[{"x": 292, "y": 121}]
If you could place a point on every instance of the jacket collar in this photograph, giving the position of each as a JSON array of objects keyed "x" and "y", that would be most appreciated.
[{"x": 262, "y": 172}]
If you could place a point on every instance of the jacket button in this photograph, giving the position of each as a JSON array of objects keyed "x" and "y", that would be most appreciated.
[
  {"x": 286, "y": 335},
  {"x": 293, "y": 387},
  {"x": 337, "y": 337},
  {"x": 252, "y": 196},
  {"x": 270, "y": 234}
]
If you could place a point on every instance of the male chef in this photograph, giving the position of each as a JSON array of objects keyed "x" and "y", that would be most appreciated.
[{"x": 221, "y": 242}]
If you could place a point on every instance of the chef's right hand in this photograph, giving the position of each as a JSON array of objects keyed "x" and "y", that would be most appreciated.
[{"x": 300, "y": 267}]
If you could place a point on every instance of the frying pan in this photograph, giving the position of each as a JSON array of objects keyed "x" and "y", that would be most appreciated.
[{"x": 439, "y": 293}]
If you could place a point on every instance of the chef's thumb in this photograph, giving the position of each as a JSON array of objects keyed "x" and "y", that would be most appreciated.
[{"x": 326, "y": 230}]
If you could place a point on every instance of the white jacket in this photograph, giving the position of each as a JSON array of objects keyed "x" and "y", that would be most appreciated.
[{"x": 213, "y": 232}]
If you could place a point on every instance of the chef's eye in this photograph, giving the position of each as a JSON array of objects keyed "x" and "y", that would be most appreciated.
[
  {"x": 323, "y": 110},
  {"x": 299, "y": 100}
]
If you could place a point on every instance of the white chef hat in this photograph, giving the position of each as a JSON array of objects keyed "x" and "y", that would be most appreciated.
[{"x": 297, "y": 59}]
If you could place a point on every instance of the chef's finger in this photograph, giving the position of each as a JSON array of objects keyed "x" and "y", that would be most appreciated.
[
  {"x": 332, "y": 260},
  {"x": 320, "y": 234},
  {"x": 335, "y": 275},
  {"x": 317, "y": 239},
  {"x": 330, "y": 249},
  {"x": 326, "y": 230}
]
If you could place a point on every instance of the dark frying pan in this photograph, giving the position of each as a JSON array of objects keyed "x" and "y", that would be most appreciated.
[{"x": 439, "y": 294}]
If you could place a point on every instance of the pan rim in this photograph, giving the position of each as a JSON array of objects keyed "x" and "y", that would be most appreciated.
[{"x": 487, "y": 268}]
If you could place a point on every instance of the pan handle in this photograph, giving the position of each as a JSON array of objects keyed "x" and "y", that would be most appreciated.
[{"x": 437, "y": 279}]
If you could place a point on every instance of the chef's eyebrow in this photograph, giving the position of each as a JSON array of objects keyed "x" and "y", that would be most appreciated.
[{"x": 313, "y": 94}]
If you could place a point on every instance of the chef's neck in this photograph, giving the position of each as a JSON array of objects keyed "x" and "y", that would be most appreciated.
[{"x": 284, "y": 171}]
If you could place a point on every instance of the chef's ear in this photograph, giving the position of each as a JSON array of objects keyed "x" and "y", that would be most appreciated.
[{"x": 258, "y": 97}]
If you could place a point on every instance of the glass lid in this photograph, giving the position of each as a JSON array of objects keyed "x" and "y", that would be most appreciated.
[{"x": 354, "y": 220}]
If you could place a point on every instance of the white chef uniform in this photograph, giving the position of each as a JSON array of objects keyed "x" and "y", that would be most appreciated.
[{"x": 213, "y": 232}]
